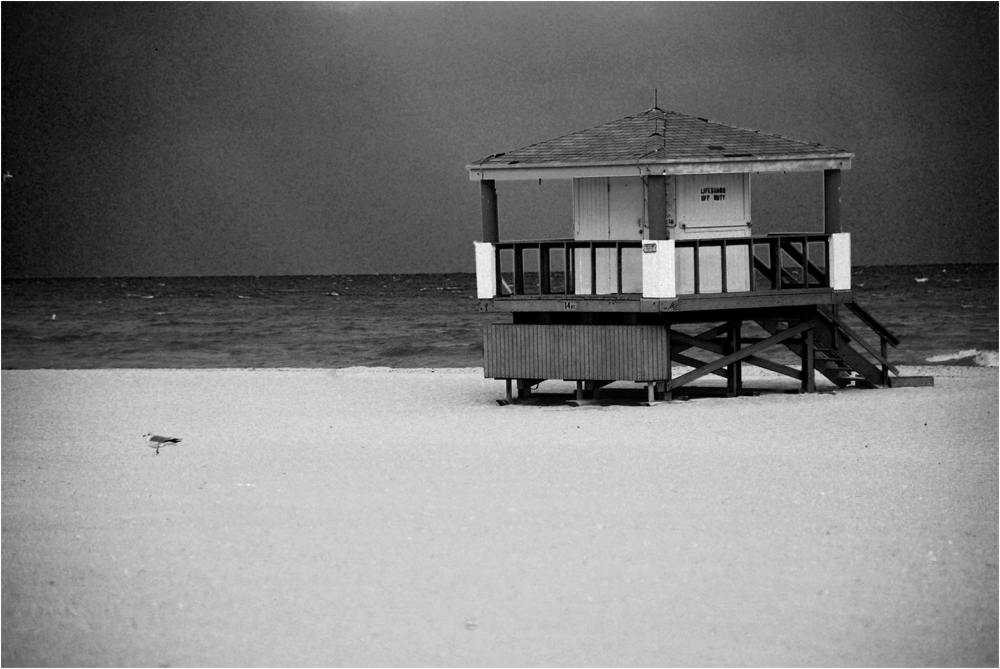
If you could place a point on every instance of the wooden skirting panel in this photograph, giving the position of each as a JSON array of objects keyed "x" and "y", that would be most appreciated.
[{"x": 577, "y": 352}]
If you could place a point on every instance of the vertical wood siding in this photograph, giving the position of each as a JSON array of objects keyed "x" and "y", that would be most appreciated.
[
  {"x": 578, "y": 352},
  {"x": 607, "y": 208},
  {"x": 590, "y": 208}
]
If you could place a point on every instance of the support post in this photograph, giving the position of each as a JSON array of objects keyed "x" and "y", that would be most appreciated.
[
  {"x": 831, "y": 201},
  {"x": 664, "y": 388},
  {"x": 808, "y": 362},
  {"x": 656, "y": 198},
  {"x": 734, "y": 375},
  {"x": 885, "y": 368},
  {"x": 491, "y": 219}
]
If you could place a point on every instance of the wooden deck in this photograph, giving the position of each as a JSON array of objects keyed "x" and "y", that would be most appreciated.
[{"x": 634, "y": 303}]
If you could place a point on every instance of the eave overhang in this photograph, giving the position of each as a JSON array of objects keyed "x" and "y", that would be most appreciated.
[{"x": 707, "y": 165}]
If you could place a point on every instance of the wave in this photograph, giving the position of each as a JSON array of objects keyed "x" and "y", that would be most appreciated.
[
  {"x": 405, "y": 350},
  {"x": 971, "y": 356}
]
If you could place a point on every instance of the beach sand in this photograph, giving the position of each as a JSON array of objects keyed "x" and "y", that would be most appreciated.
[{"x": 375, "y": 517}]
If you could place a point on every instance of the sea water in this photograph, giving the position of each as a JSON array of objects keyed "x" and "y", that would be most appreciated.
[{"x": 942, "y": 314}]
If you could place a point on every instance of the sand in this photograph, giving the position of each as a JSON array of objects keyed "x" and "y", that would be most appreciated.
[{"x": 401, "y": 517}]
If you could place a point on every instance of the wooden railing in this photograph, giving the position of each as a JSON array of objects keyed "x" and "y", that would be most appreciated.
[
  {"x": 548, "y": 280},
  {"x": 780, "y": 262},
  {"x": 702, "y": 266}
]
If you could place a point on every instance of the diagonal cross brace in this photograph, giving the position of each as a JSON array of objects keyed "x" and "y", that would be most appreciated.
[
  {"x": 724, "y": 361},
  {"x": 692, "y": 342}
]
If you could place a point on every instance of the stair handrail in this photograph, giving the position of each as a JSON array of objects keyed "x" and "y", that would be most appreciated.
[
  {"x": 831, "y": 318},
  {"x": 870, "y": 321}
]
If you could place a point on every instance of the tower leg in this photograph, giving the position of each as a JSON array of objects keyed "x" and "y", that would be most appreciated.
[
  {"x": 808, "y": 362},
  {"x": 523, "y": 389},
  {"x": 734, "y": 375}
]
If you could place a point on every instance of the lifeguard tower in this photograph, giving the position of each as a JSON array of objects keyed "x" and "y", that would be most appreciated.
[{"x": 663, "y": 267}]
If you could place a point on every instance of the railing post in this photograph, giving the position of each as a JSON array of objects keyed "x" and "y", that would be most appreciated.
[
  {"x": 805, "y": 262},
  {"x": 697, "y": 267},
  {"x": 499, "y": 270},
  {"x": 518, "y": 270},
  {"x": 776, "y": 263},
  {"x": 723, "y": 255},
  {"x": 618, "y": 264},
  {"x": 544, "y": 281},
  {"x": 569, "y": 269},
  {"x": 593, "y": 269}
]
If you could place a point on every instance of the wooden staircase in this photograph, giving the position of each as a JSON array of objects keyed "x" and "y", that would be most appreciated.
[{"x": 843, "y": 356}]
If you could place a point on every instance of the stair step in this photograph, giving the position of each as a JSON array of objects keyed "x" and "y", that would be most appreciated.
[
  {"x": 857, "y": 380},
  {"x": 910, "y": 381}
]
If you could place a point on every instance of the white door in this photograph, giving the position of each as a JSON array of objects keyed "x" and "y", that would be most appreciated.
[
  {"x": 714, "y": 205},
  {"x": 609, "y": 208}
]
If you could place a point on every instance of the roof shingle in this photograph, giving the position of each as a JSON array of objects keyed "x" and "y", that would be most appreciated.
[{"x": 657, "y": 136}]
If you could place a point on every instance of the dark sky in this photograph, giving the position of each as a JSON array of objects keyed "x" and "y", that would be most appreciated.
[{"x": 230, "y": 138}]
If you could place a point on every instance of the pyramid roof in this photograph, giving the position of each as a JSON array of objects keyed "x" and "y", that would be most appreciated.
[{"x": 659, "y": 142}]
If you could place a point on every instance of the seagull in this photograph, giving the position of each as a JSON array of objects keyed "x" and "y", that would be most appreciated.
[{"x": 158, "y": 442}]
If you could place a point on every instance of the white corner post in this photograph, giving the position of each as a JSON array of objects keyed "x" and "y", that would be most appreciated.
[
  {"x": 658, "y": 279},
  {"x": 840, "y": 261},
  {"x": 486, "y": 271}
]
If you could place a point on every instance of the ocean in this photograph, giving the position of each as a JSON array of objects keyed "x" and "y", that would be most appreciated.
[{"x": 943, "y": 314}]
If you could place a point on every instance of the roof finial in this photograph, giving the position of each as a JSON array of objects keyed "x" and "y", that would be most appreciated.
[{"x": 656, "y": 103}]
